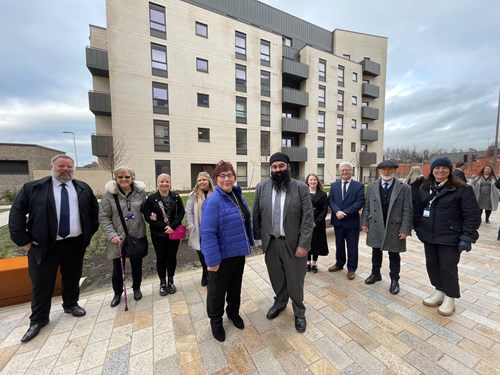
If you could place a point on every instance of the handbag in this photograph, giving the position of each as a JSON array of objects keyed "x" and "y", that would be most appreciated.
[
  {"x": 179, "y": 233},
  {"x": 132, "y": 246}
]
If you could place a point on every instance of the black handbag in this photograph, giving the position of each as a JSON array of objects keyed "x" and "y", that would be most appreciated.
[{"x": 132, "y": 247}]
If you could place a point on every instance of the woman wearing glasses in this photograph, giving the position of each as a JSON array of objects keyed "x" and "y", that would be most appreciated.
[
  {"x": 226, "y": 238},
  {"x": 131, "y": 197}
]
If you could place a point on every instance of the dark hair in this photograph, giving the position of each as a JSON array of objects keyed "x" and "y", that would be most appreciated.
[
  {"x": 320, "y": 185},
  {"x": 481, "y": 173},
  {"x": 453, "y": 180},
  {"x": 222, "y": 166}
]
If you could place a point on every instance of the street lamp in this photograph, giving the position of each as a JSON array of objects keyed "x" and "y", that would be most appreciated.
[{"x": 74, "y": 144}]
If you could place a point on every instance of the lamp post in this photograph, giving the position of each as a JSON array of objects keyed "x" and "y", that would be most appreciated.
[
  {"x": 495, "y": 151},
  {"x": 74, "y": 144}
]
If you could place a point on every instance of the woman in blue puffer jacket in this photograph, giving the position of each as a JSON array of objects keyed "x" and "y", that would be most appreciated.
[{"x": 226, "y": 238}]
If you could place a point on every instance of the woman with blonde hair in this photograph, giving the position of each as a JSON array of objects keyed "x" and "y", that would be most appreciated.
[
  {"x": 415, "y": 179},
  {"x": 204, "y": 187}
]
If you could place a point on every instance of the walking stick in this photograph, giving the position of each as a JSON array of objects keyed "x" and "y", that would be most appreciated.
[{"x": 122, "y": 264}]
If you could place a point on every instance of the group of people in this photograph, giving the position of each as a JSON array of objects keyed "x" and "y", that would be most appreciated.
[{"x": 287, "y": 222}]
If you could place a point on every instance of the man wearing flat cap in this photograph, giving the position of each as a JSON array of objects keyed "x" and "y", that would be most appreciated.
[
  {"x": 387, "y": 220},
  {"x": 283, "y": 223}
]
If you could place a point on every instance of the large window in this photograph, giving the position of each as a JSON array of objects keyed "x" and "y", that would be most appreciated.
[
  {"x": 201, "y": 65},
  {"x": 321, "y": 122},
  {"x": 160, "y": 98},
  {"x": 203, "y": 100},
  {"x": 353, "y": 146},
  {"x": 265, "y": 113},
  {"x": 242, "y": 173},
  {"x": 265, "y": 143},
  {"x": 321, "y": 173},
  {"x": 340, "y": 124},
  {"x": 321, "y": 147},
  {"x": 162, "y": 135},
  {"x": 159, "y": 60},
  {"x": 240, "y": 46},
  {"x": 265, "y": 83},
  {"x": 203, "y": 135},
  {"x": 265, "y": 53},
  {"x": 322, "y": 70},
  {"x": 241, "y": 110},
  {"x": 340, "y": 100},
  {"x": 241, "y": 78},
  {"x": 321, "y": 96},
  {"x": 340, "y": 148},
  {"x": 340, "y": 76},
  {"x": 157, "y": 22},
  {"x": 241, "y": 141},
  {"x": 162, "y": 166},
  {"x": 201, "y": 29}
]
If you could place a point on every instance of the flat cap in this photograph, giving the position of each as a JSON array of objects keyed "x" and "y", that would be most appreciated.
[{"x": 388, "y": 164}]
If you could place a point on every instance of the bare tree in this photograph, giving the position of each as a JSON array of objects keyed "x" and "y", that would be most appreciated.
[{"x": 115, "y": 149}]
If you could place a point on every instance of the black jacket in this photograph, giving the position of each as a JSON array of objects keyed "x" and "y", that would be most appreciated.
[
  {"x": 36, "y": 199},
  {"x": 175, "y": 217},
  {"x": 454, "y": 216}
]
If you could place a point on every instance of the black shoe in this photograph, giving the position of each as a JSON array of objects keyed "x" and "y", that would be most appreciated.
[
  {"x": 373, "y": 278},
  {"x": 487, "y": 222},
  {"x": 75, "y": 311},
  {"x": 308, "y": 268},
  {"x": 394, "y": 289},
  {"x": 137, "y": 294},
  {"x": 237, "y": 321},
  {"x": 300, "y": 324},
  {"x": 274, "y": 312},
  {"x": 116, "y": 300},
  {"x": 171, "y": 288},
  {"x": 163, "y": 287},
  {"x": 314, "y": 269},
  {"x": 218, "y": 330},
  {"x": 33, "y": 331},
  {"x": 204, "y": 281}
]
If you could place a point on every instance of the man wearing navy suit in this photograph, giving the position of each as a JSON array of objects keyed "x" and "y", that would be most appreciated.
[{"x": 346, "y": 198}]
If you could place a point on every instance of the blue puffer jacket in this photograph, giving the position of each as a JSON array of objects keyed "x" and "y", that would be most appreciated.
[{"x": 222, "y": 231}]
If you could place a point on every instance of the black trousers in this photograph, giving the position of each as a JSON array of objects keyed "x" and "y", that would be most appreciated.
[
  {"x": 442, "y": 267},
  {"x": 203, "y": 264},
  {"x": 394, "y": 263},
  {"x": 225, "y": 284},
  {"x": 117, "y": 277},
  {"x": 66, "y": 254},
  {"x": 349, "y": 236},
  {"x": 166, "y": 255}
]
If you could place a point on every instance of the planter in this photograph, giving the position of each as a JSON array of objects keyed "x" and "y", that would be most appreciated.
[{"x": 16, "y": 283}]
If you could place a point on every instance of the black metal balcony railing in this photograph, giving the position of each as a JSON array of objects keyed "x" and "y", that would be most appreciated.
[
  {"x": 295, "y": 153},
  {"x": 296, "y": 69},
  {"x": 102, "y": 144},
  {"x": 369, "y": 113},
  {"x": 100, "y": 103},
  {"x": 370, "y": 91},
  {"x": 370, "y": 68},
  {"x": 295, "y": 97},
  {"x": 367, "y": 158},
  {"x": 368, "y": 135},
  {"x": 97, "y": 61},
  {"x": 294, "y": 125}
]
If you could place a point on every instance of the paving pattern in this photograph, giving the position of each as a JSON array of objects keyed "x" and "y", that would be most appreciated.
[{"x": 353, "y": 328}]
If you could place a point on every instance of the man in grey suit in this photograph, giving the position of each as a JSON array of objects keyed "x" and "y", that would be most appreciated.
[
  {"x": 283, "y": 223},
  {"x": 387, "y": 220}
]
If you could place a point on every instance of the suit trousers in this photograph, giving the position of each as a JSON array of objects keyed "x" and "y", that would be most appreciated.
[
  {"x": 349, "y": 236},
  {"x": 117, "y": 277},
  {"x": 66, "y": 254},
  {"x": 394, "y": 263},
  {"x": 225, "y": 284},
  {"x": 287, "y": 273},
  {"x": 166, "y": 255},
  {"x": 442, "y": 267}
]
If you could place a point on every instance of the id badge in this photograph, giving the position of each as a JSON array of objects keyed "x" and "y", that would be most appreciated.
[
  {"x": 427, "y": 212},
  {"x": 129, "y": 217}
]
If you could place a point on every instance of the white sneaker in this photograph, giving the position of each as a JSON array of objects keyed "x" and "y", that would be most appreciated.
[
  {"x": 447, "y": 308},
  {"x": 435, "y": 300}
]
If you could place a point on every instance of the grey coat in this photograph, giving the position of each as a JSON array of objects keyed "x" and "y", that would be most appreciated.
[
  {"x": 399, "y": 217},
  {"x": 109, "y": 218},
  {"x": 193, "y": 222}
]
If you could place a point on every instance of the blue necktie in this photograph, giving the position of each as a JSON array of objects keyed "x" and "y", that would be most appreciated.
[
  {"x": 344, "y": 190},
  {"x": 386, "y": 186},
  {"x": 64, "y": 214}
]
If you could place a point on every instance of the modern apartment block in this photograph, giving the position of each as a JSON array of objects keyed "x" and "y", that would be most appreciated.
[{"x": 180, "y": 84}]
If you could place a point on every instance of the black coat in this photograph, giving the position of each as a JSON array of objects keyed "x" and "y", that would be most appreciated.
[
  {"x": 174, "y": 218},
  {"x": 454, "y": 216},
  {"x": 319, "y": 244}
]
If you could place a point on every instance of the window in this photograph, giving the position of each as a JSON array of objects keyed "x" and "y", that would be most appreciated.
[
  {"x": 14, "y": 167},
  {"x": 340, "y": 147},
  {"x": 346, "y": 56},
  {"x": 340, "y": 76},
  {"x": 242, "y": 173},
  {"x": 321, "y": 122},
  {"x": 201, "y": 29},
  {"x": 162, "y": 166},
  {"x": 322, "y": 70},
  {"x": 366, "y": 81},
  {"x": 203, "y": 100},
  {"x": 201, "y": 65},
  {"x": 162, "y": 135},
  {"x": 321, "y": 173},
  {"x": 365, "y": 104},
  {"x": 160, "y": 98},
  {"x": 159, "y": 60},
  {"x": 287, "y": 41},
  {"x": 337, "y": 172},
  {"x": 364, "y": 147},
  {"x": 241, "y": 110},
  {"x": 340, "y": 100},
  {"x": 265, "y": 83},
  {"x": 353, "y": 146},
  {"x": 340, "y": 124},
  {"x": 321, "y": 96},
  {"x": 241, "y": 141},
  {"x": 364, "y": 125},
  {"x": 203, "y": 135},
  {"x": 355, "y": 77},
  {"x": 241, "y": 78},
  {"x": 265, "y": 143},
  {"x": 354, "y": 100},
  {"x": 157, "y": 24},
  {"x": 265, "y": 53},
  {"x": 265, "y": 113},
  {"x": 353, "y": 123},
  {"x": 264, "y": 171},
  {"x": 240, "y": 46},
  {"x": 321, "y": 147}
]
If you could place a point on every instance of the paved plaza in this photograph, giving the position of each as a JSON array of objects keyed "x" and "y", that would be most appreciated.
[{"x": 353, "y": 328}]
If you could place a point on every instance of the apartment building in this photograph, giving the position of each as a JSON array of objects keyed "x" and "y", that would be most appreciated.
[{"x": 180, "y": 84}]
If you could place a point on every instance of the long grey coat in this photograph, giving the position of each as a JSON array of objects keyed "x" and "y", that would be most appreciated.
[{"x": 399, "y": 217}]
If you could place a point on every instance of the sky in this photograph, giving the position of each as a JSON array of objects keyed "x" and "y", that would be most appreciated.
[{"x": 443, "y": 72}]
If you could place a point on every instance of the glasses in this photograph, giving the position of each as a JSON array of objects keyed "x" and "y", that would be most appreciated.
[
  {"x": 224, "y": 176},
  {"x": 123, "y": 177}
]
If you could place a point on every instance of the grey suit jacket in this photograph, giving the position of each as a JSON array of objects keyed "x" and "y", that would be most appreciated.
[{"x": 298, "y": 214}]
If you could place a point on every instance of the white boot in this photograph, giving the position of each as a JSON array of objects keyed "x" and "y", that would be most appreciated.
[
  {"x": 447, "y": 308},
  {"x": 435, "y": 300}
]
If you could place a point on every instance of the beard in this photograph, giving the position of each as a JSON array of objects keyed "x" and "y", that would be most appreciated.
[
  {"x": 63, "y": 177},
  {"x": 281, "y": 178}
]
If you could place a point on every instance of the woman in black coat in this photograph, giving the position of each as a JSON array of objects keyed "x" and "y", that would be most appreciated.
[
  {"x": 319, "y": 244},
  {"x": 446, "y": 219}
]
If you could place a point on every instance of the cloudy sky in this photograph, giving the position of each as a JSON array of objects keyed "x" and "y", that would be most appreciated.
[{"x": 442, "y": 84}]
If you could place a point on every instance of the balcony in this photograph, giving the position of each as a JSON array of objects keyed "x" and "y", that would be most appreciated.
[
  {"x": 294, "y": 125},
  {"x": 100, "y": 103},
  {"x": 102, "y": 145},
  {"x": 295, "y": 97},
  {"x": 370, "y": 91},
  {"x": 97, "y": 61},
  {"x": 295, "y": 153},
  {"x": 369, "y": 113},
  {"x": 290, "y": 53},
  {"x": 368, "y": 135},
  {"x": 295, "y": 70},
  {"x": 367, "y": 158},
  {"x": 370, "y": 68}
]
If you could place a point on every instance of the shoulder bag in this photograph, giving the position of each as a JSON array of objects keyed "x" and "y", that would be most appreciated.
[{"x": 132, "y": 247}]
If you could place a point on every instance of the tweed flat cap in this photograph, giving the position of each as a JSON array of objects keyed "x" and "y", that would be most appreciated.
[{"x": 388, "y": 164}]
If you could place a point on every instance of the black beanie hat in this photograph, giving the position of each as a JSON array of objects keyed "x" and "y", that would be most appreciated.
[
  {"x": 279, "y": 156},
  {"x": 442, "y": 162}
]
